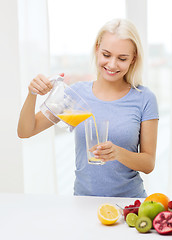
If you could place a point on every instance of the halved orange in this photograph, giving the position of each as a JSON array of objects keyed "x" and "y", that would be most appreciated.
[
  {"x": 108, "y": 214},
  {"x": 159, "y": 197}
]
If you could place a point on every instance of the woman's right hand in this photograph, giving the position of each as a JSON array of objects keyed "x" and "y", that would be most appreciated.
[{"x": 40, "y": 85}]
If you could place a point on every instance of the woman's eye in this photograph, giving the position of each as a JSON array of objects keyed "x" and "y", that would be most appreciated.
[
  {"x": 106, "y": 55},
  {"x": 122, "y": 59}
]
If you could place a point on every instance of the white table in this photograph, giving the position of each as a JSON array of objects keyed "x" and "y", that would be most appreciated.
[{"x": 50, "y": 217}]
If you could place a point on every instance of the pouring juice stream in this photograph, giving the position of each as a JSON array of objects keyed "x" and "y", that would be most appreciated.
[{"x": 73, "y": 118}]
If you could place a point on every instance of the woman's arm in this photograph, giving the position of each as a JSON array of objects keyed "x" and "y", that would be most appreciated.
[
  {"x": 30, "y": 123},
  {"x": 143, "y": 161}
]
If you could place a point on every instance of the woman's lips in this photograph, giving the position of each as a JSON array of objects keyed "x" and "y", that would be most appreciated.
[{"x": 112, "y": 73}]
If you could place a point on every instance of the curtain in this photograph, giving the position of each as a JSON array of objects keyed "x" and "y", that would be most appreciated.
[
  {"x": 11, "y": 165},
  {"x": 38, "y": 151}
]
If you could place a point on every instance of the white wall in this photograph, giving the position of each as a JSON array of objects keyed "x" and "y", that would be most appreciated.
[{"x": 11, "y": 165}]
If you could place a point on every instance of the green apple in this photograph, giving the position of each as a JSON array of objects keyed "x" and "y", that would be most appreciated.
[{"x": 150, "y": 209}]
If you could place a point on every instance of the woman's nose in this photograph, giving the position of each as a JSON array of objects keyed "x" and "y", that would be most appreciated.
[{"x": 113, "y": 63}]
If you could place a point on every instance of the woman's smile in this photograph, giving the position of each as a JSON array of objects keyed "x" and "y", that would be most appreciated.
[{"x": 110, "y": 72}]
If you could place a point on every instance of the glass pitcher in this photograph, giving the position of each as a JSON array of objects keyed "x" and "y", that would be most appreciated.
[{"x": 63, "y": 103}]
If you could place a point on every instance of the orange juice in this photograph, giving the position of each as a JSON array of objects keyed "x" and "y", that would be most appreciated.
[
  {"x": 94, "y": 160},
  {"x": 73, "y": 118},
  {"x": 96, "y": 128},
  {"x": 95, "y": 137}
]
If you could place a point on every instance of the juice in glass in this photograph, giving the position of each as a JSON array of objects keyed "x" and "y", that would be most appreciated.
[{"x": 96, "y": 132}]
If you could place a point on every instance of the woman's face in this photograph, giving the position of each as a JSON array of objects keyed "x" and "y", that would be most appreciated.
[{"x": 114, "y": 57}]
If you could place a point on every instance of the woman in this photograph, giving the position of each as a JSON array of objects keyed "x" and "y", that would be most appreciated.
[{"x": 118, "y": 96}]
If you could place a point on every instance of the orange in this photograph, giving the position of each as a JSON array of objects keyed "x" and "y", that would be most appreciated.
[
  {"x": 159, "y": 197},
  {"x": 108, "y": 214}
]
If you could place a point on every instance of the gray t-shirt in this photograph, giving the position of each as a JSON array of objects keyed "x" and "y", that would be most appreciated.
[{"x": 125, "y": 115}]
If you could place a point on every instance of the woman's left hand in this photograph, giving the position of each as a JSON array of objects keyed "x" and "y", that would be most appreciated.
[{"x": 106, "y": 151}]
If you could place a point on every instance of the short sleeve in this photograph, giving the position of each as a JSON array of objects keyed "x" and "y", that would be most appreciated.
[{"x": 150, "y": 106}]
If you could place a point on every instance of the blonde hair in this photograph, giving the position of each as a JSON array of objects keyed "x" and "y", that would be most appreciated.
[{"x": 124, "y": 29}]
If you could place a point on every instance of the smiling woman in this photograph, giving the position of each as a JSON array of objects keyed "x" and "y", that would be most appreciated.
[
  {"x": 73, "y": 58},
  {"x": 136, "y": 107},
  {"x": 64, "y": 61},
  {"x": 73, "y": 26}
]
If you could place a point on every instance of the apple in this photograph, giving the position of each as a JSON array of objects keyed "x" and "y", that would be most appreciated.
[{"x": 150, "y": 209}]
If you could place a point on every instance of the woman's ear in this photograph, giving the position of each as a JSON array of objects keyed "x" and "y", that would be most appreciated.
[
  {"x": 97, "y": 47},
  {"x": 134, "y": 59}
]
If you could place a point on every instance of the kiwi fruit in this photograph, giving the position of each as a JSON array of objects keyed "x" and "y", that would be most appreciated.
[{"x": 143, "y": 224}]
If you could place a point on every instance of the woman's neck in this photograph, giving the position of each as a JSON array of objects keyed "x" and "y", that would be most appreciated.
[{"x": 110, "y": 91}]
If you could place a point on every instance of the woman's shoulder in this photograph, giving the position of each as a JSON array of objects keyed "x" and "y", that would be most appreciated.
[
  {"x": 143, "y": 96},
  {"x": 81, "y": 85},
  {"x": 145, "y": 91},
  {"x": 149, "y": 105}
]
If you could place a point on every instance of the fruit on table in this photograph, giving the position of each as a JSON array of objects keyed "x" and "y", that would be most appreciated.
[
  {"x": 131, "y": 208},
  {"x": 163, "y": 222},
  {"x": 150, "y": 209},
  {"x": 159, "y": 197},
  {"x": 108, "y": 214},
  {"x": 131, "y": 219},
  {"x": 170, "y": 206},
  {"x": 143, "y": 224}
]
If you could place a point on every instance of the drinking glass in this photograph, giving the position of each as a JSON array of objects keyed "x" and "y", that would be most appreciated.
[{"x": 96, "y": 132}]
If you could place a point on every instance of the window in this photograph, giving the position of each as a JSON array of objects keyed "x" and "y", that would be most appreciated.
[{"x": 160, "y": 81}]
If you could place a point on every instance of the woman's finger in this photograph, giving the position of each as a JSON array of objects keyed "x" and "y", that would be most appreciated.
[
  {"x": 106, "y": 152},
  {"x": 105, "y": 145},
  {"x": 103, "y": 152},
  {"x": 40, "y": 85},
  {"x": 93, "y": 148},
  {"x": 43, "y": 82},
  {"x": 42, "y": 88},
  {"x": 46, "y": 82}
]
